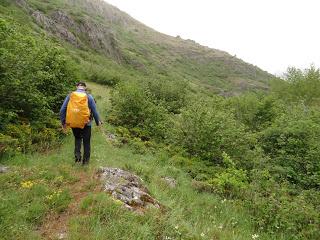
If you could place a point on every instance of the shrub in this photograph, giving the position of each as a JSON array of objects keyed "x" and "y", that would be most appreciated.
[
  {"x": 256, "y": 111},
  {"x": 278, "y": 208},
  {"x": 292, "y": 143},
  {"x": 133, "y": 108},
  {"x": 170, "y": 94},
  {"x": 230, "y": 182},
  {"x": 35, "y": 76},
  {"x": 299, "y": 86},
  {"x": 102, "y": 76},
  {"x": 206, "y": 130}
]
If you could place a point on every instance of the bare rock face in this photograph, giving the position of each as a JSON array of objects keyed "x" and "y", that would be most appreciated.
[
  {"x": 57, "y": 29},
  {"x": 78, "y": 31},
  {"x": 127, "y": 188}
]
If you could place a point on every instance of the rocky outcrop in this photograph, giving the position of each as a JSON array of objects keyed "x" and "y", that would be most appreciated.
[
  {"x": 54, "y": 27},
  {"x": 128, "y": 188},
  {"x": 78, "y": 32}
]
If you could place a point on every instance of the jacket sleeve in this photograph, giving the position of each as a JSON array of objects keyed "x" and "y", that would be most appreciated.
[
  {"x": 63, "y": 110},
  {"x": 93, "y": 108}
]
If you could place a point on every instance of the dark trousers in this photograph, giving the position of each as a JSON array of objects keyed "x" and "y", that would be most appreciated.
[{"x": 79, "y": 136}]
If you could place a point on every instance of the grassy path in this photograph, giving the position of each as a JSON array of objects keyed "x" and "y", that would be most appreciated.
[
  {"x": 55, "y": 225},
  {"x": 47, "y": 196}
]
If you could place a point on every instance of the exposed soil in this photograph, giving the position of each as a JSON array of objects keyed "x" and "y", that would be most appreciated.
[{"x": 55, "y": 225}]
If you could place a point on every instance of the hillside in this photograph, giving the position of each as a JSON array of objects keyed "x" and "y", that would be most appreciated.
[
  {"x": 47, "y": 196},
  {"x": 245, "y": 166},
  {"x": 102, "y": 38}
]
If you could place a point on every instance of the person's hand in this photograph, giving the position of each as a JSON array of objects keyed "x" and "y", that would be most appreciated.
[
  {"x": 64, "y": 128},
  {"x": 100, "y": 123}
]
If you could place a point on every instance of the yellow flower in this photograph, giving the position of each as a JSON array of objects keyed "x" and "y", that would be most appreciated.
[
  {"x": 49, "y": 197},
  {"x": 27, "y": 184},
  {"x": 59, "y": 178}
]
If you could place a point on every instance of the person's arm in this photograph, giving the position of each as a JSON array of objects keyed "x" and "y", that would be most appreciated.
[
  {"x": 63, "y": 110},
  {"x": 93, "y": 108}
]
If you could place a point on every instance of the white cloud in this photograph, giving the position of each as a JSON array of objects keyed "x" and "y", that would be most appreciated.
[{"x": 272, "y": 34}]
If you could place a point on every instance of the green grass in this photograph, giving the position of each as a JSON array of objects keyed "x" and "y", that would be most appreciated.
[{"x": 188, "y": 213}]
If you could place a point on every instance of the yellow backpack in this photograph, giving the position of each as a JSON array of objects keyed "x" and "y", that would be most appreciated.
[{"x": 78, "y": 112}]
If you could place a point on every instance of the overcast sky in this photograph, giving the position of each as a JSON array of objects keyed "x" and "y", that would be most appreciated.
[{"x": 272, "y": 34}]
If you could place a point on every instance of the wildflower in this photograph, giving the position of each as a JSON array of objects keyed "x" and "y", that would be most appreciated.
[
  {"x": 55, "y": 194},
  {"x": 59, "y": 178},
  {"x": 224, "y": 200},
  {"x": 27, "y": 184},
  {"x": 202, "y": 234},
  {"x": 255, "y": 236},
  {"x": 220, "y": 226},
  {"x": 176, "y": 227},
  {"x": 49, "y": 197}
]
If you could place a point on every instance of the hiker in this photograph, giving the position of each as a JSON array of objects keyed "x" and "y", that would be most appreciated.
[{"x": 77, "y": 112}]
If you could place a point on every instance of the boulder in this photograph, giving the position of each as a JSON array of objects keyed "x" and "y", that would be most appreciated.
[{"x": 128, "y": 188}]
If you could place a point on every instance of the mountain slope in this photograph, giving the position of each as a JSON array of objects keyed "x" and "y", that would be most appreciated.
[
  {"x": 46, "y": 196},
  {"x": 123, "y": 43}
]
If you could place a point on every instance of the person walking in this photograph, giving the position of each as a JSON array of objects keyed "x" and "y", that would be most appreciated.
[{"x": 77, "y": 111}]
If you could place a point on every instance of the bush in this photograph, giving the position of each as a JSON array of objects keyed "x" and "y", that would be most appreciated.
[
  {"x": 279, "y": 208},
  {"x": 35, "y": 77},
  {"x": 134, "y": 108},
  {"x": 102, "y": 76},
  {"x": 299, "y": 86},
  {"x": 170, "y": 94},
  {"x": 231, "y": 182},
  {"x": 292, "y": 143},
  {"x": 8, "y": 145},
  {"x": 206, "y": 130},
  {"x": 256, "y": 111}
]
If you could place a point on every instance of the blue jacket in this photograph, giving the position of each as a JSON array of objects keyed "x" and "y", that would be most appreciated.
[{"x": 92, "y": 107}]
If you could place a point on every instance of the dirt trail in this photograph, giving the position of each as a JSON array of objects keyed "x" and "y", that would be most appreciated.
[{"x": 55, "y": 225}]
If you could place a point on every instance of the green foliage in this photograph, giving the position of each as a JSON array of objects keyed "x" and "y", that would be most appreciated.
[
  {"x": 230, "y": 182},
  {"x": 299, "y": 86},
  {"x": 258, "y": 149},
  {"x": 256, "y": 111},
  {"x": 35, "y": 76},
  {"x": 279, "y": 208},
  {"x": 133, "y": 108},
  {"x": 292, "y": 143},
  {"x": 27, "y": 196},
  {"x": 8, "y": 144},
  {"x": 104, "y": 77},
  {"x": 168, "y": 93},
  {"x": 206, "y": 130}
]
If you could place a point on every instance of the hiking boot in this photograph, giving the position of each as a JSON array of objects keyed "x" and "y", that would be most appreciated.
[
  {"x": 78, "y": 160},
  {"x": 85, "y": 162}
]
